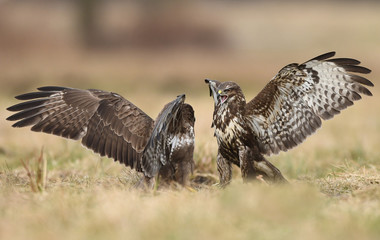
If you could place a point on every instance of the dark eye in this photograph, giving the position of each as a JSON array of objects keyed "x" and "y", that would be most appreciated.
[{"x": 227, "y": 90}]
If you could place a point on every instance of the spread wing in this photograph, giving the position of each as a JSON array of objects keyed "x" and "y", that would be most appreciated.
[
  {"x": 292, "y": 104},
  {"x": 106, "y": 122},
  {"x": 157, "y": 152}
]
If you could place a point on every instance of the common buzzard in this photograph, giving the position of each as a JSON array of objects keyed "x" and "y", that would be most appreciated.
[
  {"x": 283, "y": 114},
  {"x": 114, "y": 127}
]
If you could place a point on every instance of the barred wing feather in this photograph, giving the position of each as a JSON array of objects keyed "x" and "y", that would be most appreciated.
[
  {"x": 106, "y": 122},
  {"x": 292, "y": 104},
  {"x": 156, "y": 152}
]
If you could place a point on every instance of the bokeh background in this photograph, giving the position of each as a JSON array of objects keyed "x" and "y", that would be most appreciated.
[{"x": 150, "y": 51}]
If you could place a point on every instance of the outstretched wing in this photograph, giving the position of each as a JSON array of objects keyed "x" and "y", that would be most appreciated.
[
  {"x": 107, "y": 123},
  {"x": 291, "y": 105},
  {"x": 156, "y": 152}
]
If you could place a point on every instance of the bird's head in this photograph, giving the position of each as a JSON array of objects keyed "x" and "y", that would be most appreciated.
[{"x": 224, "y": 92}]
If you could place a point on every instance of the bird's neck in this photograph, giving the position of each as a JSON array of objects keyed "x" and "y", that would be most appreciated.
[
  {"x": 236, "y": 106},
  {"x": 225, "y": 112}
]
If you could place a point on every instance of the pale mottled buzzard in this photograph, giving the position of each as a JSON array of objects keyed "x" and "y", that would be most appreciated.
[
  {"x": 283, "y": 114},
  {"x": 114, "y": 127}
]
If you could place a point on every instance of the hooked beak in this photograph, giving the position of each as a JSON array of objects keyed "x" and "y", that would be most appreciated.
[
  {"x": 182, "y": 97},
  {"x": 213, "y": 86}
]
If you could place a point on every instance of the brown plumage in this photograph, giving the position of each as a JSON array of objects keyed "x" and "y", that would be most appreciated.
[
  {"x": 289, "y": 109},
  {"x": 114, "y": 127}
]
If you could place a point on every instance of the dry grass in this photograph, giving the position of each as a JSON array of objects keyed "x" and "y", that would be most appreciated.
[
  {"x": 333, "y": 192},
  {"x": 334, "y": 176}
]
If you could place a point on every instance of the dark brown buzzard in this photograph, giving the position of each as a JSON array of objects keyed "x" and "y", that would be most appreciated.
[
  {"x": 114, "y": 127},
  {"x": 283, "y": 114}
]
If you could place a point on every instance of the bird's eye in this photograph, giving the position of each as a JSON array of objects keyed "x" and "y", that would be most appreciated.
[{"x": 227, "y": 90}]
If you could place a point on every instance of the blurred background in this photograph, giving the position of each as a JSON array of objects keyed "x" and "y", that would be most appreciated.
[
  {"x": 171, "y": 46},
  {"x": 150, "y": 51}
]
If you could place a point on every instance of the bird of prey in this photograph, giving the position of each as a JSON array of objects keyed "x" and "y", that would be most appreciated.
[
  {"x": 289, "y": 109},
  {"x": 114, "y": 127}
]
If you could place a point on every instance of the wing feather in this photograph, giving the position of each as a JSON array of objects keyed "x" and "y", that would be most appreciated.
[
  {"x": 33, "y": 95},
  {"x": 344, "y": 61},
  {"x": 107, "y": 123},
  {"x": 323, "y": 57},
  {"x": 156, "y": 152},
  {"x": 291, "y": 106}
]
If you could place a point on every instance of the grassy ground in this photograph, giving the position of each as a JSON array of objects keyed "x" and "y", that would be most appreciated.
[
  {"x": 333, "y": 193},
  {"x": 334, "y": 176}
]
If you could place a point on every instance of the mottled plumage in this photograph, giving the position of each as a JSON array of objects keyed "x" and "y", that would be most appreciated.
[
  {"x": 114, "y": 127},
  {"x": 289, "y": 109}
]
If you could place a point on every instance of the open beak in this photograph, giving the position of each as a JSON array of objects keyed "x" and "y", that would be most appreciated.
[{"x": 222, "y": 97}]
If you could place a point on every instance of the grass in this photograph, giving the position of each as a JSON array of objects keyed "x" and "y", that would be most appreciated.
[
  {"x": 333, "y": 192},
  {"x": 334, "y": 175}
]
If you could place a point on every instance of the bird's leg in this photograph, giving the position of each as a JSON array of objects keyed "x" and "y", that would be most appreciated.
[
  {"x": 253, "y": 164},
  {"x": 166, "y": 173},
  {"x": 268, "y": 170},
  {"x": 271, "y": 173},
  {"x": 248, "y": 172},
  {"x": 146, "y": 183},
  {"x": 224, "y": 169},
  {"x": 183, "y": 171}
]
